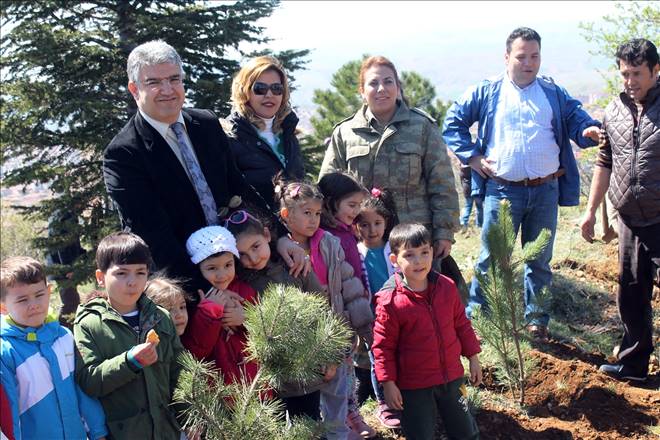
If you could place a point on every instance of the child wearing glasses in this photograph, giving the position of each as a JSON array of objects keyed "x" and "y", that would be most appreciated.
[
  {"x": 259, "y": 268},
  {"x": 262, "y": 126},
  {"x": 300, "y": 209},
  {"x": 216, "y": 324}
]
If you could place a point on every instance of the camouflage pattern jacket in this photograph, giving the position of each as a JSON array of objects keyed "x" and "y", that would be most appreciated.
[{"x": 409, "y": 157}]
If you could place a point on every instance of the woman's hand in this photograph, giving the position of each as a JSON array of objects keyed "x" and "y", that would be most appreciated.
[
  {"x": 294, "y": 256},
  {"x": 441, "y": 248}
]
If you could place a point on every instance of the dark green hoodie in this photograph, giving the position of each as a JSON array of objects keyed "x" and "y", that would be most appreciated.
[{"x": 137, "y": 402}]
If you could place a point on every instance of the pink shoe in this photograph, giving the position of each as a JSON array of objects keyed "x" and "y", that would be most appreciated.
[
  {"x": 357, "y": 424},
  {"x": 389, "y": 418}
]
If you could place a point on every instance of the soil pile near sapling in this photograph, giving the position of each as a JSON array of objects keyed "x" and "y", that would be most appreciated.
[{"x": 567, "y": 398}]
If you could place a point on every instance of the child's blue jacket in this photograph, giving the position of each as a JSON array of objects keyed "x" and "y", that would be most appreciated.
[{"x": 37, "y": 372}]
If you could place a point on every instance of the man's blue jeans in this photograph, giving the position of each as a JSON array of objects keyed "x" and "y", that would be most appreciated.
[
  {"x": 467, "y": 210},
  {"x": 532, "y": 209}
]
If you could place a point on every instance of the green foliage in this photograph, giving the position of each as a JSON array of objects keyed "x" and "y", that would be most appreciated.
[
  {"x": 420, "y": 93},
  {"x": 293, "y": 335},
  {"x": 17, "y": 233},
  {"x": 64, "y": 91},
  {"x": 631, "y": 20},
  {"x": 502, "y": 326},
  {"x": 344, "y": 100},
  {"x": 228, "y": 412}
]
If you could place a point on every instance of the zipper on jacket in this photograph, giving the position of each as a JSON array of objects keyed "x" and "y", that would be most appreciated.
[
  {"x": 634, "y": 183},
  {"x": 441, "y": 347}
]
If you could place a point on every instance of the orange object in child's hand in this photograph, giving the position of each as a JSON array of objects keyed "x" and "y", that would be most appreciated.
[{"x": 152, "y": 337}]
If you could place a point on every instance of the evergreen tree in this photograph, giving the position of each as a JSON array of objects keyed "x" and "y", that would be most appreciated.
[
  {"x": 343, "y": 100},
  {"x": 501, "y": 326},
  {"x": 291, "y": 335},
  {"x": 65, "y": 97},
  {"x": 631, "y": 20}
]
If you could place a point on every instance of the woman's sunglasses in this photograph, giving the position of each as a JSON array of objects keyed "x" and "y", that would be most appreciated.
[{"x": 261, "y": 89}]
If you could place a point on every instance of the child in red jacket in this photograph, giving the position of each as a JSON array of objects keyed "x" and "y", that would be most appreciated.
[
  {"x": 420, "y": 333},
  {"x": 215, "y": 331}
]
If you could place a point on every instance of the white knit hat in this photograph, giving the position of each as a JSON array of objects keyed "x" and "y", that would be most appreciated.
[{"x": 209, "y": 241}]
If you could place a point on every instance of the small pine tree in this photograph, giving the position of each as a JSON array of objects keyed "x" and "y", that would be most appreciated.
[
  {"x": 503, "y": 325},
  {"x": 291, "y": 335}
]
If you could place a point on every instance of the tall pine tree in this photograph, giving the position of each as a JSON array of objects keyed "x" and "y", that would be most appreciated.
[{"x": 65, "y": 91}]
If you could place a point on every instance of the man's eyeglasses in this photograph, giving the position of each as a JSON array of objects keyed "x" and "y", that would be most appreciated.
[
  {"x": 260, "y": 88},
  {"x": 157, "y": 83},
  {"x": 239, "y": 217}
]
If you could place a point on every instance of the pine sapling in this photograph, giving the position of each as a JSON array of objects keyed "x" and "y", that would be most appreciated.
[
  {"x": 292, "y": 335},
  {"x": 502, "y": 323}
]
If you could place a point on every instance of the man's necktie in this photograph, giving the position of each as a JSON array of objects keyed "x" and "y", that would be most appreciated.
[{"x": 196, "y": 176}]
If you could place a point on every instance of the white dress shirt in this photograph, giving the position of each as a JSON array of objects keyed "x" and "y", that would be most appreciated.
[
  {"x": 168, "y": 134},
  {"x": 523, "y": 144}
]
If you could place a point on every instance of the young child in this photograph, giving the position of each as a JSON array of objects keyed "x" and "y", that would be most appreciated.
[
  {"x": 259, "y": 268},
  {"x": 216, "y": 326},
  {"x": 38, "y": 362},
  {"x": 343, "y": 195},
  {"x": 376, "y": 219},
  {"x": 420, "y": 333},
  {"x": 132, "y": 371},
  {"x": 300, "y": 209},
  {"x": 168, "y": 294}
]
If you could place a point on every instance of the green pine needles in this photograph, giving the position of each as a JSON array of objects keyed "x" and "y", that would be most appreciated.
[
  {"x": 502, "y": 325},
  {"x": 292, "y": 335}
]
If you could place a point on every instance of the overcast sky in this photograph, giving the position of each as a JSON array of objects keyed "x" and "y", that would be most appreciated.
[{"x": 454, "y": 44}]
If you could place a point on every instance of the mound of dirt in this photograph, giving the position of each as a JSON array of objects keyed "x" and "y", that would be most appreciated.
[{"x": 567, "y": 398}]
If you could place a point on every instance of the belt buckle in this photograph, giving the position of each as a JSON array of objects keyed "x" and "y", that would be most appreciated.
[{"x": 526, "y": 181}]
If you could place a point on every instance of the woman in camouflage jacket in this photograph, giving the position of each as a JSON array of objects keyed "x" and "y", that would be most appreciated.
[{"x": 388, "y": 145}]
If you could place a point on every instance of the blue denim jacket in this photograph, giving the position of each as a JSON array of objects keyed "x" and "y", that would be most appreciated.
[{"x": 478, "y": 105}]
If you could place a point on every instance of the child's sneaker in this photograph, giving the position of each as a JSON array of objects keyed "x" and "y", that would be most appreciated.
[
  {"x": 387, "y": 417},
  {"x": 357, "y": 424}
]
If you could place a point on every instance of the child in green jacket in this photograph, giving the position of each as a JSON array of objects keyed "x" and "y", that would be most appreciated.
[{"x": 133, "y": 378}]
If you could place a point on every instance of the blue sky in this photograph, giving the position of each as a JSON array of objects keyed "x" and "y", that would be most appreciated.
[{"x": 454, "y": 44}]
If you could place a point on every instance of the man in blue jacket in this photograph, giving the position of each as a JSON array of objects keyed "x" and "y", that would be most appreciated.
[{"x": 523, "y": 154}]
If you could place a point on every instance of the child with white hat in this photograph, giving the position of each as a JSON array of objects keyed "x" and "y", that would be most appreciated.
[{"x": 216, "y": 324}]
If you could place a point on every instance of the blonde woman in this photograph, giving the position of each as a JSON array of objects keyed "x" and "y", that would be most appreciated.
[{"x": 262, "y": 126}]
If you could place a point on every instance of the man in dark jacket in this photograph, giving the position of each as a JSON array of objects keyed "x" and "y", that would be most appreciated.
[
  {"x": 629, "y": 164},
  {"x": 170, "y": 170}
]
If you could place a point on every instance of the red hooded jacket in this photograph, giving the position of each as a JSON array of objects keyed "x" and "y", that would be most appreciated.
[
  {"x": 207, "y": 340},
  {"x": 420, "y": 336}
]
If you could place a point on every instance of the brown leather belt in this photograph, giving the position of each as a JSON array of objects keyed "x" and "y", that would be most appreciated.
[{"x": 531, "y": 182}]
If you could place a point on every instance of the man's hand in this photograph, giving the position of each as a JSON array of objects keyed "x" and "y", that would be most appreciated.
[
  {"x": 475, "y": 371},
  {"x": 145, "y": 353},
  {"x": 482, "y": 165},
  {"x": 592, "y": 133},
  {"x": 587, "y": 226},
  {"x": 393, "y": 396},
  {"x": 294, "y": 256},
  {"x": 441, "y": 248}
]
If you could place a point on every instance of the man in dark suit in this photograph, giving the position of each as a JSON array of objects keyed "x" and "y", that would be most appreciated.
[{"x": 170, "y": 170}]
